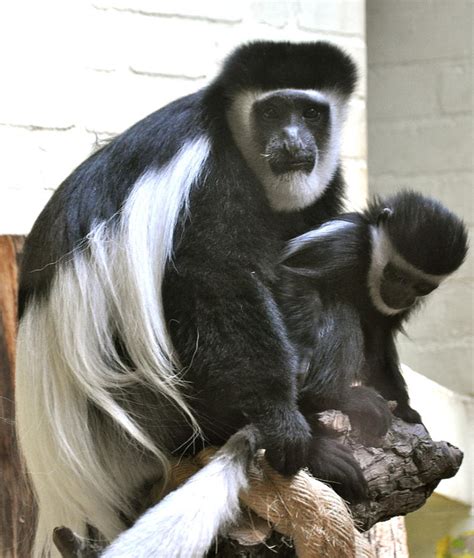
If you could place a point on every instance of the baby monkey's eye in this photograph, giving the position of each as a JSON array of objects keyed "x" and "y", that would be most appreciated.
[{"x": 312, "y": 113}]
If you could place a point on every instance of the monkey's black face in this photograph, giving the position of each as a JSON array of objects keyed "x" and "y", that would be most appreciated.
[
  {"x": 291, "y": 129},
  {"x": 400, "y": 289}
]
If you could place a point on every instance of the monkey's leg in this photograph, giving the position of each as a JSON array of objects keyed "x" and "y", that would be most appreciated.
[{"x": 385, "y": 376}]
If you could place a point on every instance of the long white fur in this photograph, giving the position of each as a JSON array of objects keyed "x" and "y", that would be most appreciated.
[
  {"x": 67, "y": 359},
  {"x": 383, "y": 251},
  {"x": 187, "y": 521},
  {"x": 325, "y": 231},
  {"x": 294, "y": 190}
]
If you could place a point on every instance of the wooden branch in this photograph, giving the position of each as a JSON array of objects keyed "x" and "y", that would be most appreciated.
[
  {"x": 17, "y": 512},
  {"x": 402, "y": 470}
]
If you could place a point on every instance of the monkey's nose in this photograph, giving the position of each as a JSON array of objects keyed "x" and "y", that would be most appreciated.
[
  {"x": 292, "y": 147},
  {"x": 291, "y": 141}
]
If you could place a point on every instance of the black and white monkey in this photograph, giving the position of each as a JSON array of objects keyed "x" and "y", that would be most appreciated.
[
  {"x": 148, "y": 317},
  {"x": 346, "y": 290}
]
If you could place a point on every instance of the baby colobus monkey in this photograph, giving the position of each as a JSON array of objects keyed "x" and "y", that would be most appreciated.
[
  {"x": 347, "y": 287},
  {"x": 148, "y": 317}
]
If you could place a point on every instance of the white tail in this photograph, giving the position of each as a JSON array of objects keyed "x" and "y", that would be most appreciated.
[{"x": 187, "y": 521}]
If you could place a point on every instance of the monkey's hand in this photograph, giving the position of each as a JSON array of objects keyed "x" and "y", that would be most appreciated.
[
  {"x": 333, "y": 463},
  {"x": 286, "y": 439},
  {"x": 368, "y": 411},
  {"x": 406, "y": 413}
]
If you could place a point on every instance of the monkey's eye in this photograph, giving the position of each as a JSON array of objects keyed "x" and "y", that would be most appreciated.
[
  {"x": 270, "y": 113},
  {"x": 393, "y": 274},
  {"x": 312, "y": 113}
]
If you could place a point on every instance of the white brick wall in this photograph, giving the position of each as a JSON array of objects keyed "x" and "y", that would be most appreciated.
[
  {"x": 421, "y": 136},
  {"x": 73, "y": 72}
]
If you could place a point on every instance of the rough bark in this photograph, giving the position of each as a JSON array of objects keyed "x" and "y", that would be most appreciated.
[
  {"x": 16, "y": 502},
  {"x": 402, "y": 470}
]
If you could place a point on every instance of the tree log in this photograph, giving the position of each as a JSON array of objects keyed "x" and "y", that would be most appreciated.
[{"x": 402, "y": 470}]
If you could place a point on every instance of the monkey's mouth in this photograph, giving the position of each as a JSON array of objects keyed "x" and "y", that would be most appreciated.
[{"x": 283, "y": 165}]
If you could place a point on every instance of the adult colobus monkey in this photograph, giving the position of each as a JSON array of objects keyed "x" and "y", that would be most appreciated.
[
  {"x": 147, "y": 313},
  {"x": 346, "y": 289}
]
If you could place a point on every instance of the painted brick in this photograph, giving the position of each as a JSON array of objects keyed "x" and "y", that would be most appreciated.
[
  {"x": 274, "y": 13},
  {"x": 204, "y": 9},
  {"x": 456, "y": 93},
  {"x": 402, "y": 91},
  {"x": 41, "y": 159},
  {"x": 110, "y": 37},
  {"x": 341, "y": 16},
  {"x": 19, "y": 211},
  {"x": 113, "y": 102},
  {"x": 354, "y": 141},
  {"x": 442, "y": 363},
  {"x": 156, "y": 46},
  {"x": 408, "y": 147},
  {"x": 399, "y": 30},
  {"x": 36, "y": 98},
  {"x": 355, "y": 175}
]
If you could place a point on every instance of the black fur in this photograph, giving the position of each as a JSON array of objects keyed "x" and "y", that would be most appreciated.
[
  {"x": 218, "y": 289},
  {"x": 340, "y": 334},
  {"x": 267, "y": 66}
]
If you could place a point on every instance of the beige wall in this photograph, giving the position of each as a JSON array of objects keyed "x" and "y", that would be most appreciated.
[
  {"x": 77, "y": 72},
  {"x": 420, "y": 135}
]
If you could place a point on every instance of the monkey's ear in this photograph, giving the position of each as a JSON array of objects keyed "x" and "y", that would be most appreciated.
[{"x": 384, "y": 216}]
